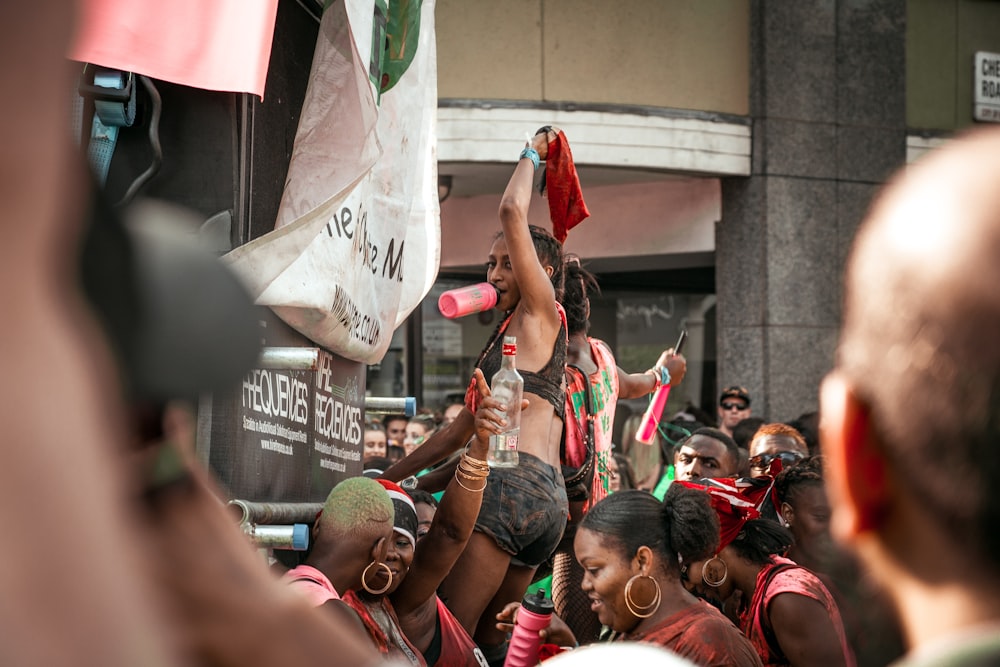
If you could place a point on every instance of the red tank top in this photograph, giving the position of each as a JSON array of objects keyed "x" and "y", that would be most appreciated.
[
  {"x": 784, "y": 576},
  {"x": 457, "y": 647}
]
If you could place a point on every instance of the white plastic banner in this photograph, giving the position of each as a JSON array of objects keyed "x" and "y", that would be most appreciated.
[{"x": 356, "y": 246}]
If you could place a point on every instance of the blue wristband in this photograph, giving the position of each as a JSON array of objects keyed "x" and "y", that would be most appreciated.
[
  {"x": 531, "y": 154},
  {"x": 662, "y": 376}
]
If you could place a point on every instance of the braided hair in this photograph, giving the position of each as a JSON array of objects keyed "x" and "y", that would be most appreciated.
[
  {"x": 807, "y": 472},
  {"x": 579, "y": 283}
]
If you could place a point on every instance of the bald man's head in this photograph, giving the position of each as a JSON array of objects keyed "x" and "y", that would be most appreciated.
[{"x": 921, "y": 333}]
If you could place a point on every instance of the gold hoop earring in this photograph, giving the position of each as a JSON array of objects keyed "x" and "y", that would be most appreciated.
[
  {"x": 637, "y": 610},
  {"x": 364, "y": 574},
  {"x": 717, "y": 582}
]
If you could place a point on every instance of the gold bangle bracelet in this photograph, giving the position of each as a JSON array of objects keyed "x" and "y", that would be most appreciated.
[
  {"x": 481, "y": 471},
  {"x": 475, "y": 463},
  {"x": 469, "y": 465},
  {"x": 468, "y": 476},
  {"x": 459, "y": 482}
]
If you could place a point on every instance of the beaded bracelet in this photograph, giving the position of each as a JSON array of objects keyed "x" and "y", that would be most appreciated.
[
  {"x": 661, "y": 375},
  {"x": 531, "y": 154}
]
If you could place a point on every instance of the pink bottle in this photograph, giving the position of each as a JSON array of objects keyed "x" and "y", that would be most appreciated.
[
  {"x": 534, "y": 615},
  {"x": 467, "y": 300},
  {"x": 651, "y": 419}
]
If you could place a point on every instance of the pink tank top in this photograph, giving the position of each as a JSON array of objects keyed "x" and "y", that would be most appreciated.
[{"x": 312, "y": 583}]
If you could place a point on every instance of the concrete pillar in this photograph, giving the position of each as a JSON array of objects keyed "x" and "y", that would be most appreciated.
[{"x": 828, "y": 110}]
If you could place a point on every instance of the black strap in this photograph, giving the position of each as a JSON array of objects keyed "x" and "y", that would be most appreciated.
[
  {"x": 588, "y": 410},
  {"x": 433, "y": 652},
  {"x": 586, "y": 468}
]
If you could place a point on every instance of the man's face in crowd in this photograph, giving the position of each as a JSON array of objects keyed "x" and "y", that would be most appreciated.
[
  {"x": 425, "y": 517},
  {"x": 732, "y": 411},
  {"x": 702, "y": 457},
  {"x": 766, "y": 448}
]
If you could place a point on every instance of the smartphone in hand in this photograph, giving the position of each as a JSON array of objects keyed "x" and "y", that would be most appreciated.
[{"x": 680, "y": 341}]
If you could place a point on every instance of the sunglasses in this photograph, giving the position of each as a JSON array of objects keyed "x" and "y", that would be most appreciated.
[
  {"x": 763, "y": 461},
  {"x": 734, "y": 406}
]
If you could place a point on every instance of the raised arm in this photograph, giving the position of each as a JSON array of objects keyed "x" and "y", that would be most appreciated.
[
  {"x": 438, "y": 479},
  {"x": 537, "y": 293},
  {"x": 456, "y": 514},
  {"x": 440, "y": 445},
  {"x": 634, "y": 385}
]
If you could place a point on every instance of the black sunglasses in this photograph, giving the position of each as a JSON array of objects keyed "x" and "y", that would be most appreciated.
[
  {"x": 763, "y": 461},
  {"x": 734, "y": 406}
]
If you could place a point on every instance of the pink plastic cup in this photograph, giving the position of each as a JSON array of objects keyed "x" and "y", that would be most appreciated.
[{"x": 467, "y": 300}]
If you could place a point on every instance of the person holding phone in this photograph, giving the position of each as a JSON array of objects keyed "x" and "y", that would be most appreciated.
[
  {"x": 607, "y": 382},
  {"x": 593, "y": 368}
]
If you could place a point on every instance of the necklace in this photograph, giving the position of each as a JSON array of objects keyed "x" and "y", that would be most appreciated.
[{"x": 385, "y": 621}]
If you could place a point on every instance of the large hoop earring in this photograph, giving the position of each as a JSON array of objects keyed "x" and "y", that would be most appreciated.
[
  {"x": 716, "y": 582},
  {"x": 637, "y": 610},
  {"x": 365, "y": 574}
]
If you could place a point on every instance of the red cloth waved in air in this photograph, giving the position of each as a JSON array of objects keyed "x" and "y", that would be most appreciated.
[{"x": 566, "y": 206}]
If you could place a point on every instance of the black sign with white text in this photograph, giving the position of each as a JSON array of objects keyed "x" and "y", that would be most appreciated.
[{"x": 290, "y": 435}]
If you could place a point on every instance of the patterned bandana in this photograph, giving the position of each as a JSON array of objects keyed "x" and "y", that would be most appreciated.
[
  {"x": 736, "y": 501},
  {"x": 405, "y": 521}
]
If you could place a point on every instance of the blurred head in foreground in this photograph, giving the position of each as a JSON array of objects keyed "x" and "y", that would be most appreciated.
[{"x": 911, "y": 413}]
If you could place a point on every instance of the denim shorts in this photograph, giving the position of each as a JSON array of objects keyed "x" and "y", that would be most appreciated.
[{"x": 524, "y": 509}]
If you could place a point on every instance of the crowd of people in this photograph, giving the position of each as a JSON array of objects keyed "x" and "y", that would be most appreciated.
[
  {"x": 712, "y": 577},
  {"x": 694, "y": 554},
  {"x": 713, "y": 543},
  {"x": 722, "y": 553}
]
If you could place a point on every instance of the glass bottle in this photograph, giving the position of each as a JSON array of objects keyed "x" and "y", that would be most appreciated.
[{"x": 507, "y": 386}]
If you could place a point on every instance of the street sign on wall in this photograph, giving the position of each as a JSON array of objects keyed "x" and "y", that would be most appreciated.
[{"x": 986, "y": 87}]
